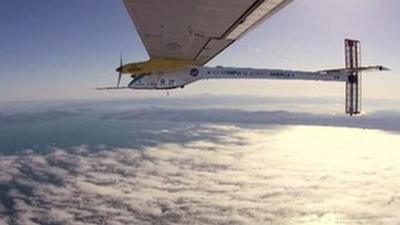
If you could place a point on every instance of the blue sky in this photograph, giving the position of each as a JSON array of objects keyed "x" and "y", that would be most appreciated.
[{"x": 64, "y": 49}]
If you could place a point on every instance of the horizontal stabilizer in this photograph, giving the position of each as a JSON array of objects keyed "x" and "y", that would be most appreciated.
[{"x": 357, "y": 69}]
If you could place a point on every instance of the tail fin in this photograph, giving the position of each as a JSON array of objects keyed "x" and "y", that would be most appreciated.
[
  {"x": 353, "y": 83},
  {"x": 352, "y": 75}
]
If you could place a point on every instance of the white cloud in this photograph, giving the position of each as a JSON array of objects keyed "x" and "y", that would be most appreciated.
[{"x": 252, "y": 176}]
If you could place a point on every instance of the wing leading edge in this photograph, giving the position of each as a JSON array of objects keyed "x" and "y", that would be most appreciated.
[{"x": 195, "y": 30}]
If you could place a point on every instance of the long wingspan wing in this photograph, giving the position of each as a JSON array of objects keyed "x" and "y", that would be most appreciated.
[{"x": 196, "y": 30}]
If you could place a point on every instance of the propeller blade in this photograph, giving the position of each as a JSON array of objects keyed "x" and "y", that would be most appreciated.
[
  {"x": 119, "y": 79},
  {"x": 121, "y": 63}
]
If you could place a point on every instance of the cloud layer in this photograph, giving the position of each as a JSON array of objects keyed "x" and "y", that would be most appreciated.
[{"x": 285, "y": 175}]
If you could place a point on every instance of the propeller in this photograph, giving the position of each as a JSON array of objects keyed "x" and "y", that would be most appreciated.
[{"x": 119, "y": 70}]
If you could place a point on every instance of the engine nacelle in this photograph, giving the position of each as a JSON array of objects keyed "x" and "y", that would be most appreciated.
[{"x": 164, "y": 80}]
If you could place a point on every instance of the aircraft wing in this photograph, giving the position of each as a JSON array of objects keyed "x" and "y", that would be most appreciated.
[{"x": 196, "y": 30}]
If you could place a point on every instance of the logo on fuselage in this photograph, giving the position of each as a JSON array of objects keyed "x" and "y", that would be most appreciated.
[{"x": 194, "y": 72}]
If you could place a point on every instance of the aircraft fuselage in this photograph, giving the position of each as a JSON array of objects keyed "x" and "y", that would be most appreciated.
[{"x": 189, "y": 74}]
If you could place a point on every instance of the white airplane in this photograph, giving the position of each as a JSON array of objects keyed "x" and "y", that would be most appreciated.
[{"x": 181, "y": 36}]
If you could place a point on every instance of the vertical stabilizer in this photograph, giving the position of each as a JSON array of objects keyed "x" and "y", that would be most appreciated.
[{"x": 353, "y": 83}]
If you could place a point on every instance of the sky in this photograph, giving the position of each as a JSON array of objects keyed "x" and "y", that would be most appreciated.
[{"x": 53, "y": 50}]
